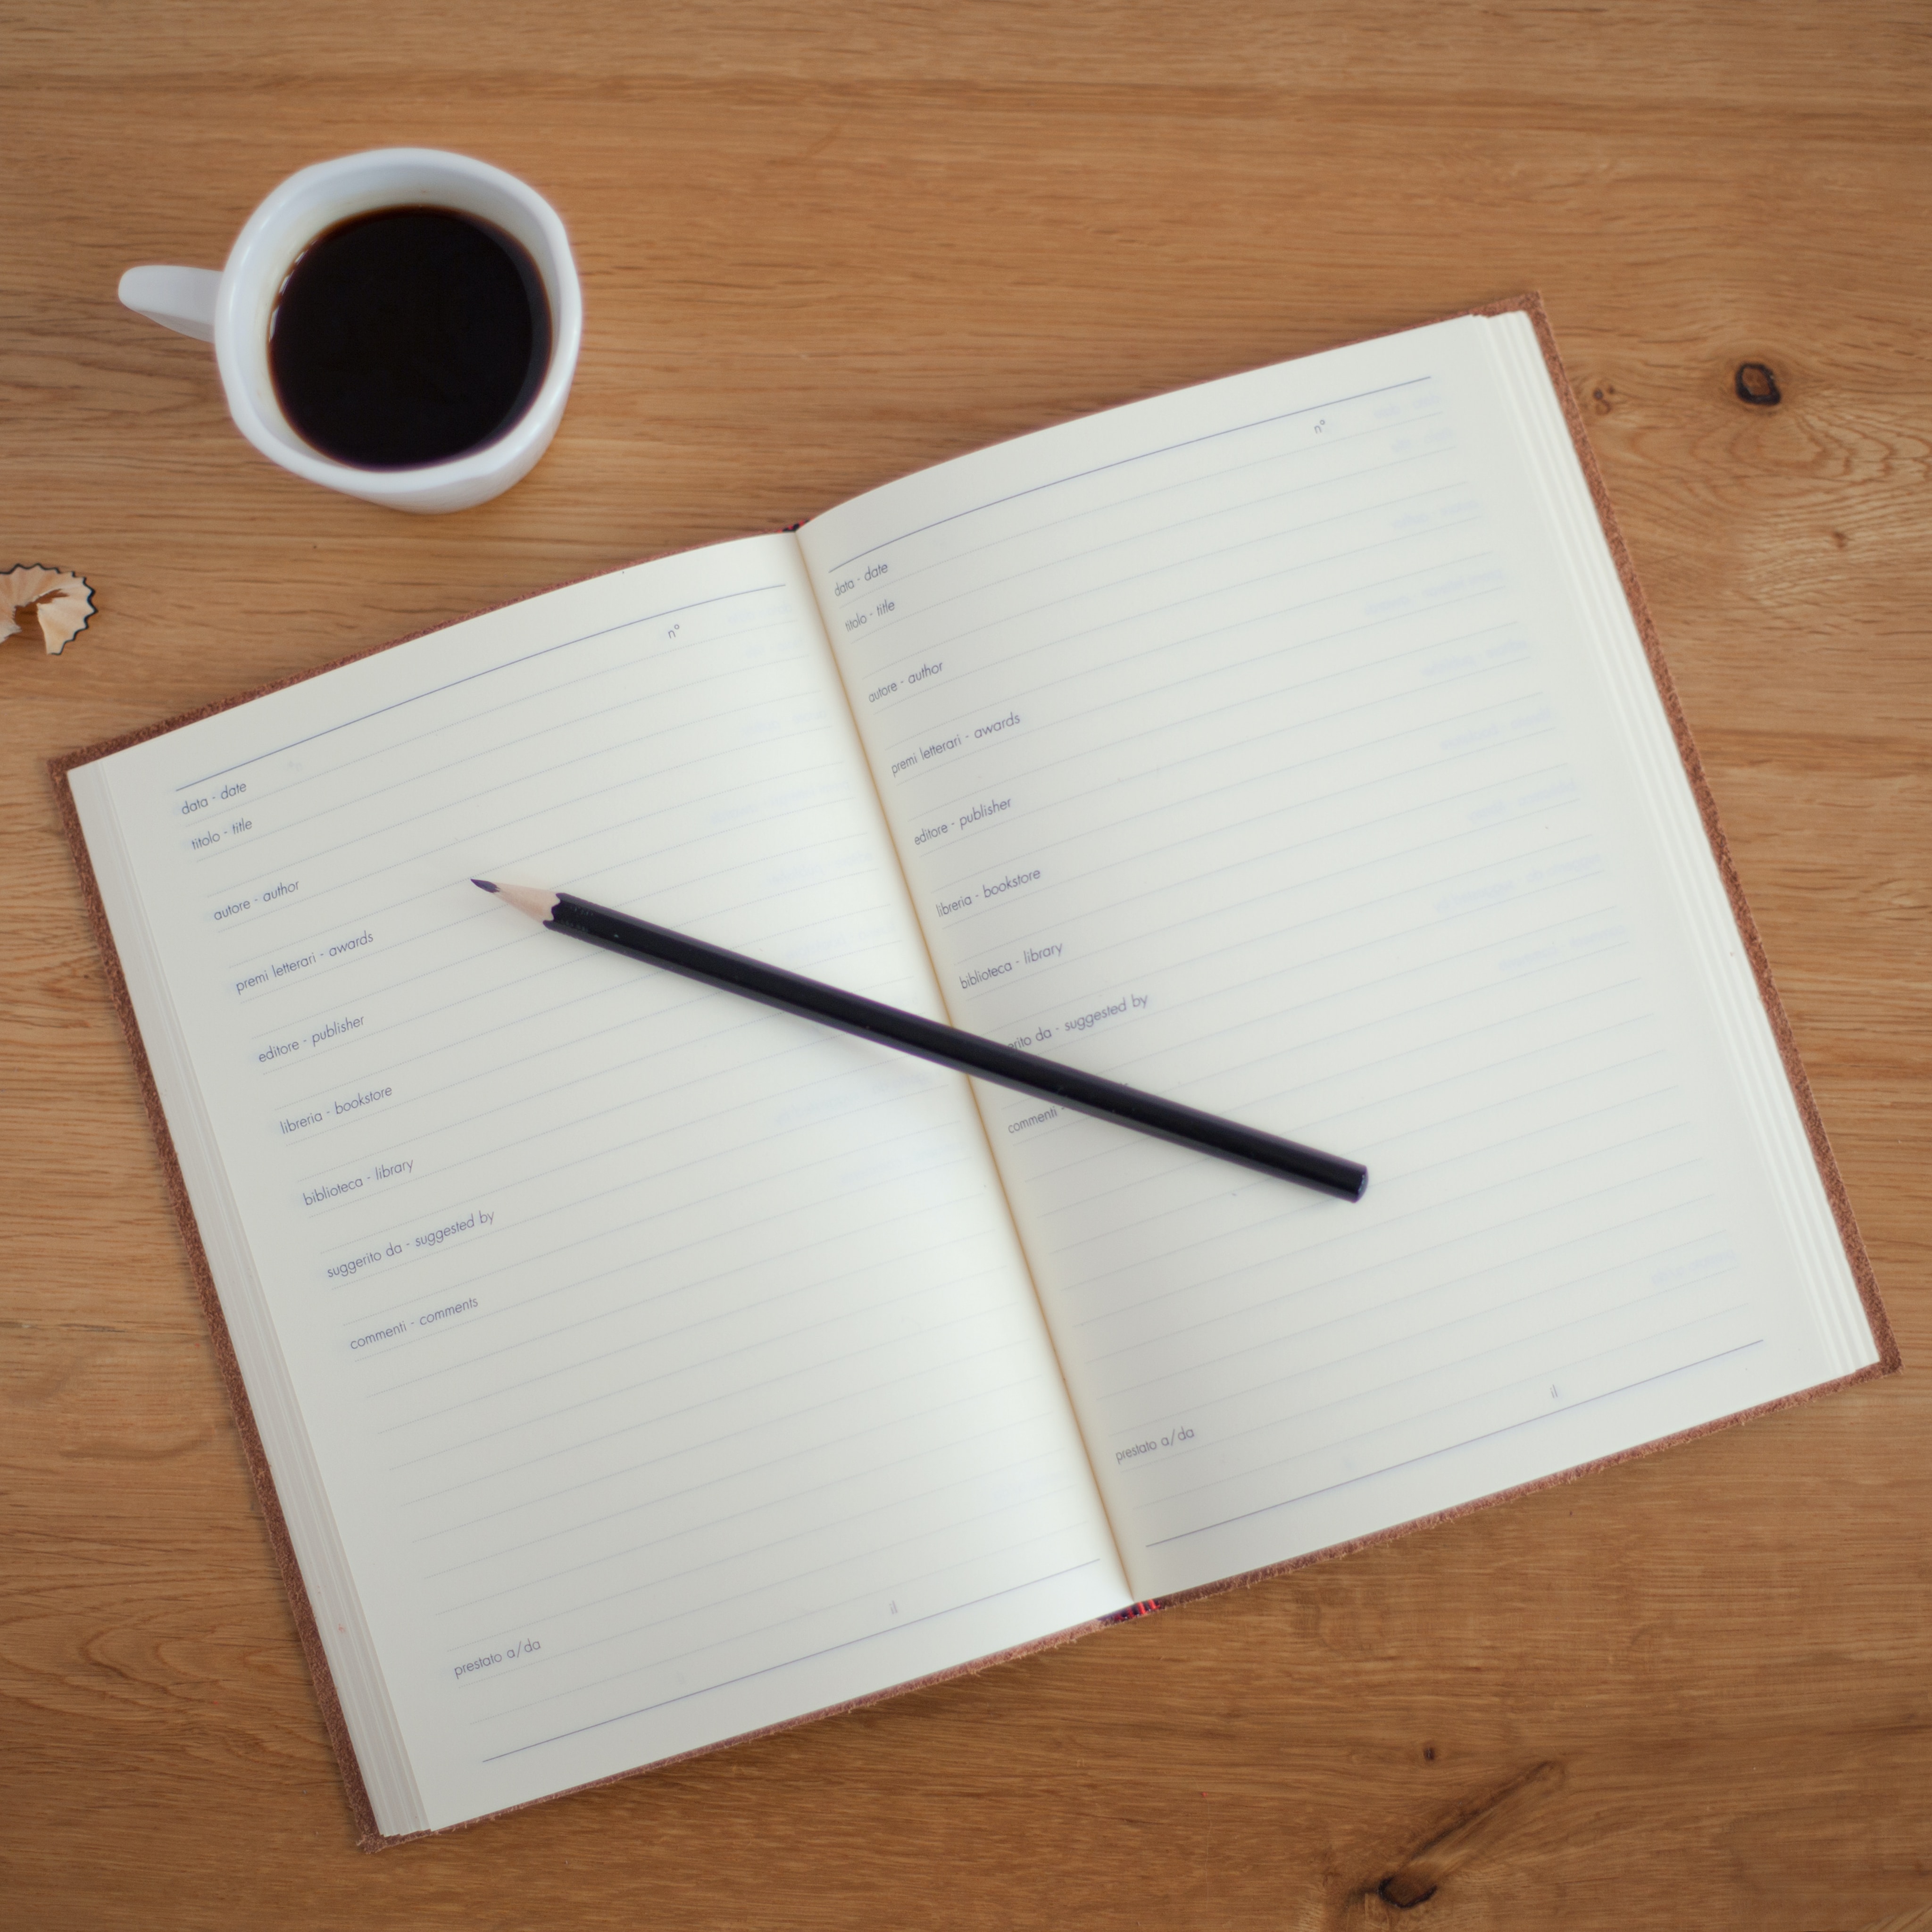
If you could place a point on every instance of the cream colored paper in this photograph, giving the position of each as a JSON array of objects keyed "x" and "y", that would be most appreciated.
[
  {"x": 1285, "y": 746},
  {"x": 639, "y": 1367}
]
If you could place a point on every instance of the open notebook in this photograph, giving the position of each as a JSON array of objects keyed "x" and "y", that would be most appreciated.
[{"x": 630, "y": 1368}]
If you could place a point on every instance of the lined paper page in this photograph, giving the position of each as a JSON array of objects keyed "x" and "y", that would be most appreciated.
[
  {"x": 1249, "y": 746},
  {"x": 670, "y": 1365}
]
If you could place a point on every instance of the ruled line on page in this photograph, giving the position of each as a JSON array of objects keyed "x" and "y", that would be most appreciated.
[
  {"x": 1061, "y": 563},
  {"x": 1465, "y": 1198},
  {"x": 1543, "y": 1130},
  {"x": 1322, "y": 1295},
  {"x": 389, "y": 829},
  {"x": 1476, "y": 1110},
  {"x": 1326, "y": 1364},
  {"x": 1036, "y": 526},
  {"x": 1093, "y": 1204},
  {"x": 849, "y": 849},
  {"x": 1283, "y": 1208},
  {"x": 1042, "y": 848},
  {"x": 496, "y": 1069},
  {"x": 615, "y": 989},
  {"x": 901, "y": 1079},
  {"x": 581, "y": 1406},
  {"x": 792, "y": 928},
  {"x": 1393, "y": 1420},
  {"x": 288, "y": 789},
  {"x": 1387, "y": 1021},
  {"x": 1429, "y": 1044},
  {"x": 488, "y": 759},
  {"x": 1260, "y": 938},
  {"x": 1364, "y": 872},
  {"x": 1111, "y": 507},
  {"x": 898, "y": 1383},
  {"x": 579, "y": 1202},
  {"x": 830, "y": 1610},
  {"x": 584, "y": 1606},
  {"x": 786, "y": 1501},
  {"x": 1276, "y": 655},
  {"x": 1442, "y": 1364},
  {"x": 936, "y": 1163},
  {"x": 933, "y": 1282},
  {"x": 1415, "y": 434},
  {"x": 558, "y": 963},
  {"x": 1683, "y": 1368},
  {"x": 773, "y": 1500},
  {"x": 1421, "y": 1212},
  {"x": 472, "y": 1155},
  {"x": 800, "y": 1526},
  {"x": 933, "y": 1207},
  {"x": 785, "y": 1505},
  {"x": 581, "y": 1605},
  {"x": 489, "y": 671},
  {"x": 1252, "y": 861},
  {"x": 1321, "y": 1123},
  {"x": 606, "y": 1558},
  {"x": 820, "y": 846},
  {"x": 1140, "y": 456},
  {"x": 415, "y": 899},
  {"x": 392, "y": 1129},
  {"x": 1361, "y": 1293},
  {"x": 659, "y": 1338},
  {"x": 789, "y": 1662},
  {"x": 1360, "y": 986},
  {"x": 1401, "y": 934},
  {"x": 1357, "y": 988},
  {"x": 1146, "y": 613},
  {"x": 1297, "y": 1208},
  {"x": 827, "y": 1614},
  {"x": 471, "y": 835},
  {"x": 550, "y": 1658},
  {"x": 1173, "y": 770}
]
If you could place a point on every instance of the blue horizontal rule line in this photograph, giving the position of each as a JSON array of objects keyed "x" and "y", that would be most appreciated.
[
  {"x": 207, "y": 777},
  {"x": 831, "y": 1650},
  {"x": 1140, "y": 456},
  {"x": 1574, "y": 1408}
]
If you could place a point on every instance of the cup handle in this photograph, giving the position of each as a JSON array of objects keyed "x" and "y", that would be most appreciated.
[{"x": 182, "y": 299}]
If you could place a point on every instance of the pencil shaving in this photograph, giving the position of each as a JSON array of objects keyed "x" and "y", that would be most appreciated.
[{"x": 56, "y": 602}]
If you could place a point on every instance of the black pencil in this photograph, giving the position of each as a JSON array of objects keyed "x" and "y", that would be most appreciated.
[{"x": 966, "y": 1052}]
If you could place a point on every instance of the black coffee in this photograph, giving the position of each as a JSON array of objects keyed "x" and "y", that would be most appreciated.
[{"x": 408, "y": 336}]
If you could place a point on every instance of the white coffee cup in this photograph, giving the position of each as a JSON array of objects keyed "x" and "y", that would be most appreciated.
[{"x": 231, "y": 311}]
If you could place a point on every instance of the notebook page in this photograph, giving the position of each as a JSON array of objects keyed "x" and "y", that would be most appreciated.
[
  {"x": 668, "y": 1366},
  {"x": 1250, "y": 746}
]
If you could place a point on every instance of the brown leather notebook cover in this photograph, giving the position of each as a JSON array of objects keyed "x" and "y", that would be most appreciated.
[{"x": 369, "y": 1835}]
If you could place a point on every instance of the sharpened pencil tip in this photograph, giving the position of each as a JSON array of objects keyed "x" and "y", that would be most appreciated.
[{"x": 530, "y": 899}]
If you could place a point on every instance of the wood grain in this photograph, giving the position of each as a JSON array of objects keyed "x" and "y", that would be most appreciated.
[{"x": 822, "y": 246}]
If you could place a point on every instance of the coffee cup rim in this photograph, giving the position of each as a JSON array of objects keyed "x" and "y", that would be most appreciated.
[{"x": 314, "y": 198}]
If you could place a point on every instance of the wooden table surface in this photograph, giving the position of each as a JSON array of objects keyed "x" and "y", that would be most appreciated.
[{"x": 821, "y": 246}]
